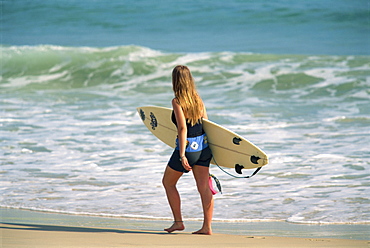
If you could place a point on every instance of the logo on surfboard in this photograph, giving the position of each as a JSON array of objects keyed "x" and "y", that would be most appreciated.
[
  {"x": 142, "y": 115},
  {"x": 153, "y": 121}
]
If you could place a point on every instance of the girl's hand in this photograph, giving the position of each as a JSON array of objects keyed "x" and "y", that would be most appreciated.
[{"x": 185, "y": 163}]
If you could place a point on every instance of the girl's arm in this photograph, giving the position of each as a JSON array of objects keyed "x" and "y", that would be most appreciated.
[
  {"x": 181, "y": 132},
  {"x": 205, "y": 116}
]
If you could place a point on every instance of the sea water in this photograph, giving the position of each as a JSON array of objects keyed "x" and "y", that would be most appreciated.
[{"x": 73, "y": 73}]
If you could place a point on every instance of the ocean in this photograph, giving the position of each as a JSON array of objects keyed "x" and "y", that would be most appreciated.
[{"x": 291, "y": 77}]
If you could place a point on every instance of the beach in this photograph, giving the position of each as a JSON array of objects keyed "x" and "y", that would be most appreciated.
[
  {"x": 23, "y": 228},
  {"x": 20, "y": 228},
  {"x": 19, "y": 236},
  {"x": 79, "y": 168}
]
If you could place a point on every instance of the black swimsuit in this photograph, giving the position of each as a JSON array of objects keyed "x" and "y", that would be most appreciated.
[
  {"x": 193, "y": 131},
  {"x": 197, "y": 150}
]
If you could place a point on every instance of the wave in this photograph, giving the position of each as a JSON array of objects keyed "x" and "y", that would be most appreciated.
[
  {"x": 48, "y": 67},
  {"x": 71, "y": 130}
]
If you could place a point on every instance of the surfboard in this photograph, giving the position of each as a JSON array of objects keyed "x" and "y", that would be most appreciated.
[{"x": 228, "y": 148}]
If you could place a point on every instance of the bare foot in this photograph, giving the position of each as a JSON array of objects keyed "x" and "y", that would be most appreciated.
[
  {"x": 203, "y": 232},
  {"x": 176, "y": 226}
]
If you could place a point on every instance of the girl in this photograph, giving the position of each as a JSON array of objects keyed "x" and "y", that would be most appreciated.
[{"x": 191, "y": 152}]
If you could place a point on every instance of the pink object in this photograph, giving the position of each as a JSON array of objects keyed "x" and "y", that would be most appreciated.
[{"x": 211, "y": 186}]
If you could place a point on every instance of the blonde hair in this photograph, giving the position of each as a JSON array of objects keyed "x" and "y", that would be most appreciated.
[{"x": 186, "y": 94}]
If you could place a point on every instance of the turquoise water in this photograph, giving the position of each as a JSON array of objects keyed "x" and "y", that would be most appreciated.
[
  {"x": 73, "y": 74},
  {"x": 335, "y": 27}
]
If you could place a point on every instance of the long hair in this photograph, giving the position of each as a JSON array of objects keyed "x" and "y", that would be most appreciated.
[{"x": 186, "y": 94}]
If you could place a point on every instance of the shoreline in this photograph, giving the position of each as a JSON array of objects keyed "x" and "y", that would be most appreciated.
[{"x": 27, "y": 218}]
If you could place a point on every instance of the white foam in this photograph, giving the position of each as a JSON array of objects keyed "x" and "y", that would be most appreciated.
[{"x": 85, "y": 150}]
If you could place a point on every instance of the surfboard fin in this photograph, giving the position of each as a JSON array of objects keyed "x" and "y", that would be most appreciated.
[
  {"x": 238, "y": 168},
  {"x": 255, "y": 159},
  {"x": 236, "y": 140}
]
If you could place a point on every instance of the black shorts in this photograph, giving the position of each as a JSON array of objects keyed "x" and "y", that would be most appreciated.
[{"x": 202, "y": 158}]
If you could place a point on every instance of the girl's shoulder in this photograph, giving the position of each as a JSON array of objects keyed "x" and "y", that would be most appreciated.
[{"x": 175, "y": 101}]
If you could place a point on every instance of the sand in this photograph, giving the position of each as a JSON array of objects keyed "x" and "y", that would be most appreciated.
[
  {"x": 50, "y": 236},
  {"x": 22, "y": 228}
]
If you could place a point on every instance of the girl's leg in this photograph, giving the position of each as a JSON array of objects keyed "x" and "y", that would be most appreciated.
[
  {"x": 169, "y": 182},
  {"x": 201, "y": 175}
]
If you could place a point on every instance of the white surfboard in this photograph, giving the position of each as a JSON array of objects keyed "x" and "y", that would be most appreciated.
[{"x": 228, "y": 148}]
